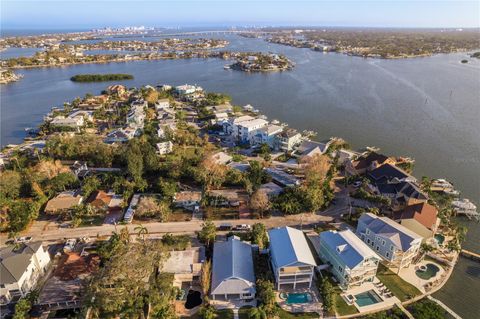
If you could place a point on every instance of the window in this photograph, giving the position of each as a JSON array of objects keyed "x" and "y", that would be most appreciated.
[
  {"x": 368, "y": 240},
  {"x": 383, "y": 242},
  {"x": 368, "y": 232},
  {"x": 377, "y": 248},
  {"x": 340, "y": 268},
  {"x": 387, "y": 255},
  {"x": 391, "y": 248}
]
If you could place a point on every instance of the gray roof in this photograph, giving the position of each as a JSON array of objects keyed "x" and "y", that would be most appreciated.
[
  {"x": 289, "y": 246},
  {"x": 401, "y": 236},
  {"x": 232, "y": 270},
  {"x": 14, "y": 262},
  {"x": 347, "y": 246}
]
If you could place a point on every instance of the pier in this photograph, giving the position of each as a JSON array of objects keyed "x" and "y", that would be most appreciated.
[
  {"x": 445, "y": 307},
  {"x": 470, "y": 255}
]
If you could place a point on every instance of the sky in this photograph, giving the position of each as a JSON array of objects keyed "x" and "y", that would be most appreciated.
[{"x": 71, "y": 14}]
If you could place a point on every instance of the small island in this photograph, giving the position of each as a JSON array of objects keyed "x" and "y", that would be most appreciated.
[{"x": 101, "y": 77}]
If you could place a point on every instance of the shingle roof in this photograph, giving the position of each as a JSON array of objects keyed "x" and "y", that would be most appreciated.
[
  {"x": 424, "y": 213},
  {"x": 388, "y": 172},
  {"x": 14, "y": 262},
  {"x": 365, "y": 162},
  {"x": 347, "y": 246},
  {"x": 401, "y": 236},
  {"x": 289, "y": 246},
  {"x": 232, "y": 259}
]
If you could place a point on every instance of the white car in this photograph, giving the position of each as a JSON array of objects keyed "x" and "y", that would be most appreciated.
[
  {"x": 244, "y": 227},
  {"x": 25, "y": 239},
  {"x": 69, "y": 245}
]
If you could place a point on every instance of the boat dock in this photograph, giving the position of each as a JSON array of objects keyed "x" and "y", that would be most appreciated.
[
  {"x": 470, "y": 255},
  {"x": 445, "y": 307}
]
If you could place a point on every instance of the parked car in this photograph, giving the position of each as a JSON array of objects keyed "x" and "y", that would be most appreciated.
[
  {"x": 25, "y": 239},
  {"x": 243, "y": 227},
  {"x": 357, "y": 184},
  {"x": 69, "y": 245},
  {"x": 225, "y": 226}
]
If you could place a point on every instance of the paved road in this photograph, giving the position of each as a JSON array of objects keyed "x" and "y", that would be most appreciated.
[{"x": 52, "y": 232}]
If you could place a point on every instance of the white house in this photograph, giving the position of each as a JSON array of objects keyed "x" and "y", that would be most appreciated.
[
  {"x": 247, "y": 130},
  {"x": 162, "y": 105},
  {"x": 231, "y": 128},
  {"x": 74, "y": 122},
  {"x": 233, "y": 277},
  {"x": 288, "y": 139},
  {"x": 292, "y": 261},
  {"x": 187, "y": 89},
  {"x": 351, "y": 261},
  {"x": 121, "y": 135},
  {"x": 20, "y": 269},
  {"x": 267, "y": 135},
  {"x": 164, "y": 147},
  {"x": 395, "y": 243},
  {"x": 187, "y": 199}
]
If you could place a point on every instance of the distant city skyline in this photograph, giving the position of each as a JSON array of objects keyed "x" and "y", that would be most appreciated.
[{"x": 20, "y": 14}]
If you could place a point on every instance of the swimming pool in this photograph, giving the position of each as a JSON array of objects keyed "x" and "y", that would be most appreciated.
[
  {"x": 298, "y": 298},
  {"x": 430, "y": 271},
  {"x": 367, "y": 298},
  {"x": 439, "y": 238}
]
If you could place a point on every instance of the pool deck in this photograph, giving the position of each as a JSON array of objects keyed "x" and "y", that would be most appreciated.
[
  {"x": 314, "y": 306},
  {"x": 408, "y": 274},
  {"x": 385, "y": 303}
]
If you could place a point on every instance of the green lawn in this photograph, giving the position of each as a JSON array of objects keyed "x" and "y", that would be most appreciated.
[
  {"x": 341, "y": 306},
  {"x": 399, "y": 287},
  {"x": 221, "y": 314},
  {"x": 282, "y": 314}
]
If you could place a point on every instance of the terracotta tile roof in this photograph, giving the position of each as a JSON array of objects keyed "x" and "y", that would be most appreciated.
[{"x": 424, "y": 213}]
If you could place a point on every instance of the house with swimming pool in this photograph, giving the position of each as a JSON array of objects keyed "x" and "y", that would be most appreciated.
[
  {"x": 351, "y": 261},
  {"x": 395, "y": 243},
  {"x": 233, "y": 277},
  {"x": 291, "y": 258}
]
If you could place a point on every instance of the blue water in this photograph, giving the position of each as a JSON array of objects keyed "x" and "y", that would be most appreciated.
[
  {"x": 298, "y": 298},
  {"x": 367, "y": 298}
]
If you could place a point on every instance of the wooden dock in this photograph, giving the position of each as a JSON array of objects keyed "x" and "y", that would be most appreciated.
[
  {"x": 445, "y": 307},
  {"x": 470, "y": 255}
]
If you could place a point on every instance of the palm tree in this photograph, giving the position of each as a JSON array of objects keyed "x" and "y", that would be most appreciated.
[{"x": 141, "y": 231}]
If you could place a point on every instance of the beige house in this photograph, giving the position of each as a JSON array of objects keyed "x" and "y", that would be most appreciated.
[
  {"x": 186, "y": 265},
  {"x": 63, "y": 202},
  {"x": 421, "y": 218}
]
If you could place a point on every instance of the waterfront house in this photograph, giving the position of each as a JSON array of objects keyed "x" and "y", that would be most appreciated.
[
  {"x": 421, "y": 218},
  {"x": 395, "y": 243},
  {"x": 310, "y": 148},
  {"x": 185, "y": 265},
  {"x": 267, "y": 135},
  {"x": 20, "y": 269},
  {"x": 72, "y": 122},
  {"x": 291, "y": 259},
  {"x": 367, "y": 163},
  {"x": 187, "y": 89},
  {"x": 117, "y": 89},
  {"x": 233, "y": 277},
  {"x": 231, "y": 126},
  {"x": 87, "y": 115},
  {"x": 247, "y": 130},
  {"x": 63, "y": 202},
  {"x": 388, "y": 173},
  {"x": 288, "y": 139},
  {"x": 187, "y": 199},
  {"x": 401, "y": 193},
  {"x": 351, "y": 261},
  {"x": 164, "y": 148}
]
